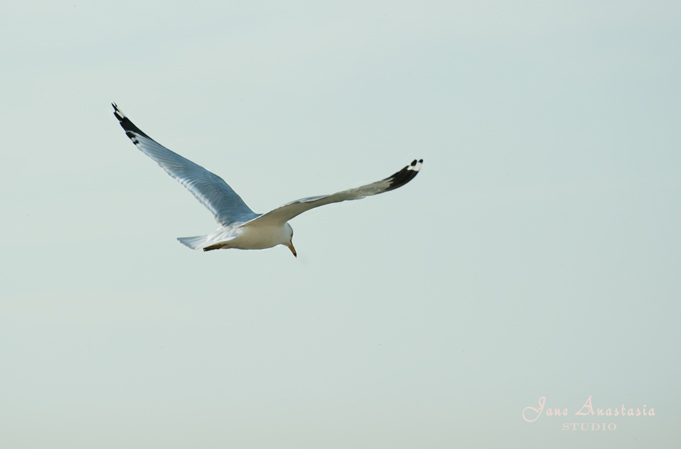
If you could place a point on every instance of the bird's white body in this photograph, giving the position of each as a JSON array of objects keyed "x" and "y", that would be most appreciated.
[
  {"x": 242, "y": 236},
  {"x": 240, "y": 227}
]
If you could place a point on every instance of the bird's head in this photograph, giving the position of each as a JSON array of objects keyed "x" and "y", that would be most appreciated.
[{"x": 289, "y": 239}]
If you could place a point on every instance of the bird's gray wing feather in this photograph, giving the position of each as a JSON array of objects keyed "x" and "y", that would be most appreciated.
[
  {"x": 211, "y": 190},
  {"x": 281, "y": 215}
]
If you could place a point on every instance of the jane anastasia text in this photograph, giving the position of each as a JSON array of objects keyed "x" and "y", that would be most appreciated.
[{"x": 531, "y": 414}]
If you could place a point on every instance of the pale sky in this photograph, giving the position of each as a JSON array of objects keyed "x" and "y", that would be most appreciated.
[{"x": 537, "y": 254}]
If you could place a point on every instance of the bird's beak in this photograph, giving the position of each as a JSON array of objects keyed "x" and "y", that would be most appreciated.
[{"x": 293, "y": 250}]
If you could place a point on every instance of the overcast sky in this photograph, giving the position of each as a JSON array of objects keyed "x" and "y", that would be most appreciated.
[{"x": 537, "y": 254}]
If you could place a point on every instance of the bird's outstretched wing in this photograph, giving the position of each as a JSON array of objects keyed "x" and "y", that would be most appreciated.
[
  {"x": 281, "y": 215},
  {"x": 211, "y": 190}
]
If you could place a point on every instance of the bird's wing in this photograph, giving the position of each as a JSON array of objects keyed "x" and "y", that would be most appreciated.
[
  {"x": 211, "y": 190},
  {"x": 281, "y": 215}
]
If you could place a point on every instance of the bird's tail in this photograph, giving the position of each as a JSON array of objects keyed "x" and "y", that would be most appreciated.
[
  {"x": 197, "y": 242},
  {"x": 215, "y": 240}
]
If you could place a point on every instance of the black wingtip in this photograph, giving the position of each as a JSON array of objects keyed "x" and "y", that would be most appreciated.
[
  {"x": 117, "y": 112},
  {"x": 127, "y": 125},
  {"x": 405, "y": 175}
]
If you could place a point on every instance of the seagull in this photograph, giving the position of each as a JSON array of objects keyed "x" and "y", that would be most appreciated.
[{"x": 240, "y": 227}]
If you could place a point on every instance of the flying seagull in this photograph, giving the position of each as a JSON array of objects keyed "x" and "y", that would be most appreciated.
[{"x": 240, "y": 227}]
